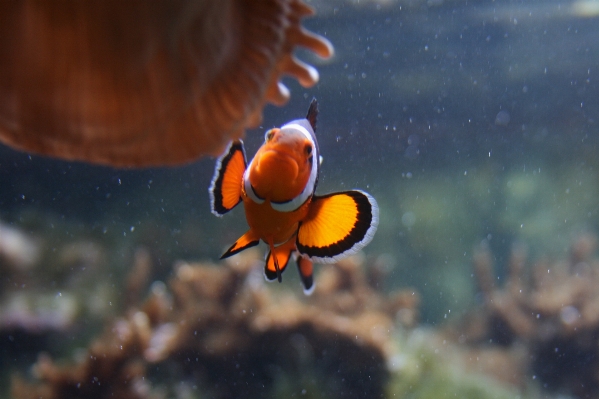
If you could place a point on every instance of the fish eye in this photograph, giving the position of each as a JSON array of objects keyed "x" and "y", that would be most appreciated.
[
  {"x": 308, "y": 149},
  {"x": 269, "y": 135}
]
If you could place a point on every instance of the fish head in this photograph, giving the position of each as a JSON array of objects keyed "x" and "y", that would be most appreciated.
[{"x": 283, "y": 166}]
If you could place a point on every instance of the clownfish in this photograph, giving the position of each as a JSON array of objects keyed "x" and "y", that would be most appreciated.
[{"x": 277, "y": 189}]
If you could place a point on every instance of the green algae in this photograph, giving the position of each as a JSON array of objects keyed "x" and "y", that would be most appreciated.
[{"x": 429, "y": 368}]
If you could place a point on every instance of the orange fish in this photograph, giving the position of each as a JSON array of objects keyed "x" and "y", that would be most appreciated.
[{"x": 281, "y": 208}]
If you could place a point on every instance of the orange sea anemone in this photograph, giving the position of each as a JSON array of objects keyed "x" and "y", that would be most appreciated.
[{"x": 138, "y": 83}]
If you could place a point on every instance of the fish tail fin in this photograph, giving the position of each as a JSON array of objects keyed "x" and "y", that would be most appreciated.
[{"x": 277, "y": 259}]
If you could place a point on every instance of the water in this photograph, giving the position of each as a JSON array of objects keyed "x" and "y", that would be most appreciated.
[{"x": 469, "y": 121}]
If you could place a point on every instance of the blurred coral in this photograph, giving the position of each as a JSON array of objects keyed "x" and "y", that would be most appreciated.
[
  {"x": 545, "y": 322},
  {"x": 46, "y": 289},
  {"x": 430, "y": 366},
  {"x": 219, "y": 330},
  {"x": 33, "y": 311},
  {"x": 18, "y": 251}
]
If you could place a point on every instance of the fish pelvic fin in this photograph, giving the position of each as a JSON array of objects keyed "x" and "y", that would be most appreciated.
[
  {"x": 225, "y": 188},
  {"x": 337, "y": 225},
  {"x": 249, "y": 239}
]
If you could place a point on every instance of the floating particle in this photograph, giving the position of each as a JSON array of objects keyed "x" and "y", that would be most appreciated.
[{"x": 502, "y": 118}]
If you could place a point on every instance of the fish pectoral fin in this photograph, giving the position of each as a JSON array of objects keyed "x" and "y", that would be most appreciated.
[
  {"x": 225, "y": 189},
  {"x": 277, "y": 260},
  {"x": 306, "y": 270},
  {"x": 337, "y": 225},
  {"x": 247, "y": 240}
]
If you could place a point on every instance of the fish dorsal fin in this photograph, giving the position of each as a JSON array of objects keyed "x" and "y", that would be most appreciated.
[
  {"x": 313, "y": 113},
  {"x": 249, "y": 239},
  {"x": 225, "y": 189},
  {"x": 337, "y": 225}
]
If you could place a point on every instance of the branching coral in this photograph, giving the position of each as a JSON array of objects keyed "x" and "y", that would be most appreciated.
[{"x": 220, "y": 329}]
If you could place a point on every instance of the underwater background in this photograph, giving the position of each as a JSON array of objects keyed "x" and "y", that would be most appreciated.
[{"x": 472, "y": 123}]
